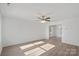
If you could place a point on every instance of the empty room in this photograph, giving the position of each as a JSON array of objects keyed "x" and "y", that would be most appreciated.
[{"x": 39, "y": 29}]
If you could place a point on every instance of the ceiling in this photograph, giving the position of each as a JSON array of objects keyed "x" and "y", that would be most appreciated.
[{"x": 59, "y": 11}]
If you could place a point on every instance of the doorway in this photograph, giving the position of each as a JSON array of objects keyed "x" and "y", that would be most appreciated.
[{"x": 55, "y": 32}]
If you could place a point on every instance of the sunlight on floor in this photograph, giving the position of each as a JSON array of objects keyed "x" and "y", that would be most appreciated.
[
  {"x": 34, "y": 52},
  {"x": 47, "y": 46},
  {"x": 26, "y": 46},
  {"x": 39, "y": 50},
  {"x": 73, "y": 51},
  {"x": 30, "y": 45},
  {"x": 40, "y": 42}
]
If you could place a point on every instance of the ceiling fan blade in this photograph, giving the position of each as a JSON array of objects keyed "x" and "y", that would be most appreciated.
[{"x": 48, "y": 18}]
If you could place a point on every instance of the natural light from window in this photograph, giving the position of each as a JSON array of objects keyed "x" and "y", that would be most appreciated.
[
  {"x": 30, "y": 45},
  {"x": 38, "y": 50},
  {"x": 47, "y": 46}
]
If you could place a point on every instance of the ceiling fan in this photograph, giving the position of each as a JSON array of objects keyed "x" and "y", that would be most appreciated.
[{"x": 45, "y": 17}]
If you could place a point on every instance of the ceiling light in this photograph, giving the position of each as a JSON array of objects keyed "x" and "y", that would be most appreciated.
[{"x": 43, "y": 21}]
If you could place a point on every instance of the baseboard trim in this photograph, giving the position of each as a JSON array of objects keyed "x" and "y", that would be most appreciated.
[
  {"x": 70, "y": 44},
  {"x": 25, "y": 42}
]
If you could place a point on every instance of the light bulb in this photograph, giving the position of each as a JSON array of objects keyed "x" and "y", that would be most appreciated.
[{"x": 43, "y": 21}]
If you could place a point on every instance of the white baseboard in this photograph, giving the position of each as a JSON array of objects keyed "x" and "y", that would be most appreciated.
[
  {"x": 21, "y": 42},
  {"x": 75, "y": 44}
]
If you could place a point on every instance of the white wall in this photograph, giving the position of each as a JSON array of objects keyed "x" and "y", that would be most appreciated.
[
  {"x": 70, "y": 31},
  {"x": 0, "y": 36},
  {"x": 17, "y": 31}
]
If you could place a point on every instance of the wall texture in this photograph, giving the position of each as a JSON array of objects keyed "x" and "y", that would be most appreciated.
[{"x": 17, "y": 31}]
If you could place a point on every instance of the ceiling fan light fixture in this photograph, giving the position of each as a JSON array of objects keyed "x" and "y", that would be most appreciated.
[{"x": 43, "y": 21}]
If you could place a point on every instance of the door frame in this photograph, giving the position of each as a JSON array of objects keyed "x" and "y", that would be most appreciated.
[{"x": 55, "y": 25}]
